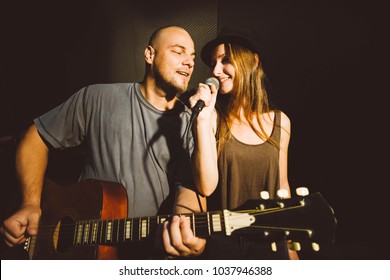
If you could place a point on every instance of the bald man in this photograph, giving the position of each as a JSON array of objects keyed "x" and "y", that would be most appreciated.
[{"x": 135, "y": 134}]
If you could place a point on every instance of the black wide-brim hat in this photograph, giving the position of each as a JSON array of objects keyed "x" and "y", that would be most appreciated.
[{"x": 230, "y": 34}]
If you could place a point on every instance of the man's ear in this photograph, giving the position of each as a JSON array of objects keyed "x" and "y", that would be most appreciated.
[{"x": 149, "y": 54}]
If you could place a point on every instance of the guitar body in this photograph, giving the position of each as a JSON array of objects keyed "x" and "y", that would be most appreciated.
[{"x": 88, "y": 199}]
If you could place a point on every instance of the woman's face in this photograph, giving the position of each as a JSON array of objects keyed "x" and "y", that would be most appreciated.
[{"x": 223, "y": 70}]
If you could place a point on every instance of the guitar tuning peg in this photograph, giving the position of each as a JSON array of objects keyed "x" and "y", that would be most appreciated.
[
  {"x": 282, "y": 193},
  {"x": 296, "y": 246},
  {"x": 302, "y": 191},
  {"x": 274, "y": 247},
  {"x": 315, "y": 246},
  {"x": 264, "y": 195}
]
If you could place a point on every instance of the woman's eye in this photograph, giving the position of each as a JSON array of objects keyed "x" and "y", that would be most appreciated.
[{"x": 225, "y": 60}]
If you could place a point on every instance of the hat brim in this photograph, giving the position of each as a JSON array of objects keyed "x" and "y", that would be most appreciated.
[{"x": 244, "y": 42}]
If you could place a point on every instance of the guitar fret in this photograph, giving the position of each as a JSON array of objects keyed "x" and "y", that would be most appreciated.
[
  {"x": 144, "y": 228},
  {"x": 223, "y": 222},
  {"x": 193, "y": 223},
  {"x": 75, "y": 234},
  {"x": 94, "y": 231},
  {"x": 86, "y": 233},
  {"x": 216, "y": 222},
  {"x": 79, "y": 233},
  {"x": 109, "y": 231},
  {"x": 128, "y": 226},
  {"x": 208, "y": 224}
]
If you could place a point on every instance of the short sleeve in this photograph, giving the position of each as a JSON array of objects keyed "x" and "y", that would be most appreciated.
[{"x": 65, "y": 125}]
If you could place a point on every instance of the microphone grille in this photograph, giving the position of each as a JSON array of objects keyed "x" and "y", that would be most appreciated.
[{"x": 213, "y": 81}]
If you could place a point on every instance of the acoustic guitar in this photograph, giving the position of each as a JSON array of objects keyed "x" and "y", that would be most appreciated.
[{"x": 88, "y": 220}]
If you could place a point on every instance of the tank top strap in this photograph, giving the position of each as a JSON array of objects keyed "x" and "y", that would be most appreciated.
[{"x": 275, "y": 135}]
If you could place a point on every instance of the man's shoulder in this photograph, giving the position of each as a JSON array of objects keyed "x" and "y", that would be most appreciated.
[
  {"x": 112, "y": 87},
  {"x": 109, "y": 91}
]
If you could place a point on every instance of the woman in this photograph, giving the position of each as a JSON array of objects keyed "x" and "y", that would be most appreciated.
[{"x": 251, "y": 139}]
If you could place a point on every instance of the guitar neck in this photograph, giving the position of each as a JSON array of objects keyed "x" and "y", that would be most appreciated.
[
  {"x": 108, "y": 232},
  {"x": 298, "y": 218}
]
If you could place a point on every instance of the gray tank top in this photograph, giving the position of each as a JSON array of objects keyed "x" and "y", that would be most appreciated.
[{"x": 246, "y": 170}]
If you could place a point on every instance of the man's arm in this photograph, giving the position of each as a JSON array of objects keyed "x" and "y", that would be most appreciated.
[{"x": 31, "y": 162}]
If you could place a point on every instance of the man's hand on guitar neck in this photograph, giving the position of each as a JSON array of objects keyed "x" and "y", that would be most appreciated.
[
  {"x": 179, "y": 240},
  {"x": 22, "y": 224},
  {"x": 178, "y": 237}
]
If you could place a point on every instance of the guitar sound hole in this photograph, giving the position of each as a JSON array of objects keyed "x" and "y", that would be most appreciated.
[{"x": 66, "y": 234}]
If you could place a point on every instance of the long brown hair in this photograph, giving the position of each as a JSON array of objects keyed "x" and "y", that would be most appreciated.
[{"x": 249, "y": 97}]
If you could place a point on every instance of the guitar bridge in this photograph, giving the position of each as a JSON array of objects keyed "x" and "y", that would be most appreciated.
[{"x": 234, "y": 220}]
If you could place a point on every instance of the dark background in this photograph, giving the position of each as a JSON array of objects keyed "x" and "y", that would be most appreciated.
[{"x": 325, "y": 61}]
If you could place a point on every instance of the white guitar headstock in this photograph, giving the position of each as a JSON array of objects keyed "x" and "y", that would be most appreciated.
[{"x": 304, "y": 220}]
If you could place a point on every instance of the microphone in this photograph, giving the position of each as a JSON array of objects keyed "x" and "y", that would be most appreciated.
[{"x": 200, "y": 104}]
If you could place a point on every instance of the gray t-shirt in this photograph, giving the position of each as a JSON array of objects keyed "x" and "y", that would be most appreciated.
[{"x": 128, "y": 141}]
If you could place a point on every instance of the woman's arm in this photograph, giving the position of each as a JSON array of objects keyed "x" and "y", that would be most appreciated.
[
  {"x": 283, "y": 166},
  {"x": 204, "y": 159}
]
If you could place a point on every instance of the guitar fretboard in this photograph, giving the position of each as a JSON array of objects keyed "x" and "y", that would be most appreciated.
[{"x": 108, "y": 232}]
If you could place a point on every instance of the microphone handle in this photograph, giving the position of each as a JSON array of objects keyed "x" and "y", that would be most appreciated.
[
  {"x": 198, "y": 106},
  {"x": 196, "y": 109},
  {"x": 200, "y": 103}
]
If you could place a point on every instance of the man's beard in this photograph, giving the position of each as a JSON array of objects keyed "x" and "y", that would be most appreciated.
[{"x": 172, "y": 90}]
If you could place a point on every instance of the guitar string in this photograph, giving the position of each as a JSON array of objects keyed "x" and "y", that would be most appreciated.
[
  {"x": 201, "y": 219},
  {"x": 201, "y": 223}
]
